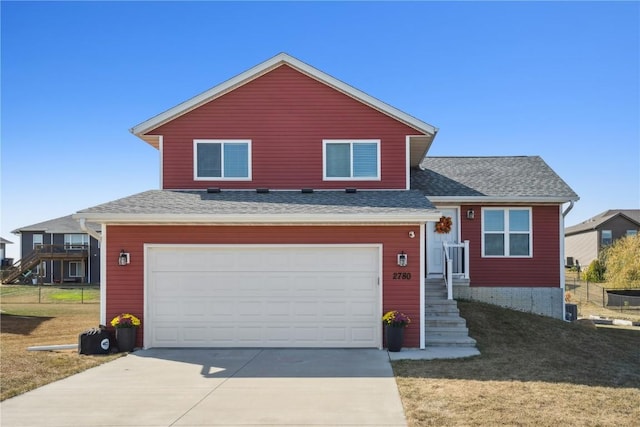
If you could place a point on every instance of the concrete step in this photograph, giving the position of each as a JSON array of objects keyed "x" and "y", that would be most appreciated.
[
  {"x": 435, "y": 294},
  {"x": 443, "y": 325},
  {"x": 449, "y": 342},
  {"x": 444, "y": 322},
  {"x": 442, "y": 310},
  {"x": 441, "y": 331},
  {"x": 441, "y": 302}
]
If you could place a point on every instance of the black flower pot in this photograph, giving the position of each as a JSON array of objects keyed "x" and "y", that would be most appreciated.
[
  {"x": 126, "y": 338},
  {"x": 395, "y": 337}
]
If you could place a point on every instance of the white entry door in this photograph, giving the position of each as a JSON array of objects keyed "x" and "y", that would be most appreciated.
[
  {"x": 263, "y": 296},
  {"x": 435, "y": 258}
]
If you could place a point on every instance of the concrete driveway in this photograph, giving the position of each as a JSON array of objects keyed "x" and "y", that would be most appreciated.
[{"x": 213, "y": 387}]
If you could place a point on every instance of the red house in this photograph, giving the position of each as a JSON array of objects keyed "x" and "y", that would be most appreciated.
[{"x": 295, "y": 210}]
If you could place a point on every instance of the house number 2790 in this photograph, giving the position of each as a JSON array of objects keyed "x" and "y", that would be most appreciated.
[{"x": 401, "y": 276}]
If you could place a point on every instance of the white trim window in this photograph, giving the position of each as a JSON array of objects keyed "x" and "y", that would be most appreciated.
[
  {"x": 507, "y": 232},
  {"x": 351, "y": 159},
  {"x": 76, "y": 269},
  {"x": 76, "y": 241},
  {"x": 38, "y": 240},
  {"x": 216, "y": 160}
]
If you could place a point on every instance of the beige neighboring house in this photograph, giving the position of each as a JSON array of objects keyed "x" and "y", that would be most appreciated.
[{"x": 583, "y": 242}]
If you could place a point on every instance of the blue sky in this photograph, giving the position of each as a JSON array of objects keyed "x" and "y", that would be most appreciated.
[{"x": 559, "y": 80}]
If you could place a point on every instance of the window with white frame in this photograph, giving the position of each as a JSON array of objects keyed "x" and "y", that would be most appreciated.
[
  {"x": 606, "y": 237},
  {"x": 76, "y": 241},
  {"x": 351, "y": 159},
  {"x": 38, "y": 240},
  {"x": 506, "y": 232},
  {"x": 215, "y": 159},
  {"x": 76, "y": 269}
]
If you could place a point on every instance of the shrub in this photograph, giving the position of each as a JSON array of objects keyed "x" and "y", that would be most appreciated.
[
  {"x": 595, "y": 272},
  {"x": 623, "y": 262}
]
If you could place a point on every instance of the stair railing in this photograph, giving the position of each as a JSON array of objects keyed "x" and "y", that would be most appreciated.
[
  {"x": 456, "y": 263},
  {"x": 18, "y": 268}
]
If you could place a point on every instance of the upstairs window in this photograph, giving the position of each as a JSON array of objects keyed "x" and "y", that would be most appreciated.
[
  {"x": 76, "y": 241},
  {"x": 351, "y": 160},
  {"x": 606, "y": 237},
  {"x": 631, "y": 233},
  {"x": 506, "y": 232},
  {"x": 38, "y": 240},
  {"x": 221, "y": 160}
]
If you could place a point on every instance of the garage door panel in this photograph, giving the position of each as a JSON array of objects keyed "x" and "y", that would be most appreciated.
[{"x": 263, "y": 296}]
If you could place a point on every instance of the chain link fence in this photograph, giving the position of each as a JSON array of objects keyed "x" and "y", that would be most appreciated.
[
  {"x": 50, "y": 294},
  {"x": 580, "y": 291}
]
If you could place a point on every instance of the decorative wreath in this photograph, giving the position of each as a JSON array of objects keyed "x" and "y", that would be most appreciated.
[{"x": 444, "y": 225}]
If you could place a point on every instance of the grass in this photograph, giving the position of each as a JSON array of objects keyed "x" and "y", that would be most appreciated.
[
  {"x": 25, "y": 325},
  {"x": 30, "y": 294},
  {"x": 533, "y": 371}
]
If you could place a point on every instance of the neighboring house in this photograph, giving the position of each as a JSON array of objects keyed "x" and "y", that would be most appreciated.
[
  {"x": 295, "y": 210},
  {"x": 4, "y": 261},
  {"x": 584, "y": 241},
  {"x": 57, "y": 251}
]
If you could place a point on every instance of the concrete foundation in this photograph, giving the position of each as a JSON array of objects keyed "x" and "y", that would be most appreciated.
[{"x": 544, "y": 301}]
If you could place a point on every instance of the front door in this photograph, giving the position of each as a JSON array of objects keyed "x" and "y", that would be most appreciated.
[{"x": 435, "y": 259}]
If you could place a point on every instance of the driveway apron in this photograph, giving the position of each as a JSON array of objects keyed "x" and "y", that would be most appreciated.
[{"x": 220, "y": 387}]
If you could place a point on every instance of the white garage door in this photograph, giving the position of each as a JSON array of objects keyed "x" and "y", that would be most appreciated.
[{"x": 262, "y": 296}]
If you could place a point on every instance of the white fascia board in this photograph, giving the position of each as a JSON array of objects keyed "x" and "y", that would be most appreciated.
[
  {"x": 483, "y": 199},
  {"x": 265, "y": 67},
  {"x": 203, "y": 219}
]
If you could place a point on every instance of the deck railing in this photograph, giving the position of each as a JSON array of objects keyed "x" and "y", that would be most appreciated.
[{"x": 456, "y": 263}]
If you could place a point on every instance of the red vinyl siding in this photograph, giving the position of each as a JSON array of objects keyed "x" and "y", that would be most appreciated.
[
  {"x": 286, "y": 115},
  {"x": 543, "y": 270},
  {"x": 125, "y": 284}
]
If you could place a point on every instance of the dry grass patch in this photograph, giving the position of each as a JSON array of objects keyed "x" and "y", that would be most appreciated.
[
  {"x": 533, "y": 371},
  {"x": 25, "y": 325}
]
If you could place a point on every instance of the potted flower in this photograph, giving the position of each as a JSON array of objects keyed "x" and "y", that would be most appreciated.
[
  {"x": 126, "y": 325},
  {"x": 395, "y": 322}
]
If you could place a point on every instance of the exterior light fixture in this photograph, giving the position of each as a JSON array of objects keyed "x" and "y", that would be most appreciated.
[
  {"x": 471, "y": 214},
  {"x": 412, "y": 234},
  {"x": 124, "y": 258},
  {"x": 402, "y": 259}
]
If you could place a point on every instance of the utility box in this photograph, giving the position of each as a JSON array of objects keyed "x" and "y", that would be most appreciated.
[
  {"x": 571, "y": 312},
  {"x": 95, "y": 341}
]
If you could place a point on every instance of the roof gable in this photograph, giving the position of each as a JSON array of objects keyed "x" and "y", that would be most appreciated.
[
  {"x": 65, "y": 224},
  {"x": 491, "y": 179},
  {"x": 145, "y": 129},
  {"x": 595, "y": 222}
]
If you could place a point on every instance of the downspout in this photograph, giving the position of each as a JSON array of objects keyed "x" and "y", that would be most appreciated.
[
  {"x": 566, "y": 211},
  {"x": 563, "y": 283},
  {"x": 90, "y": 232}
]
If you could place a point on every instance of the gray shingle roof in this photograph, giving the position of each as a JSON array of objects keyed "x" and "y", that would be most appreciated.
[
  {"x": 65, "y": 224},
  {"x": 595, "y": 221},
  {"x": 489, "y": 177},
  {"x": 279, "y": 203}
]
